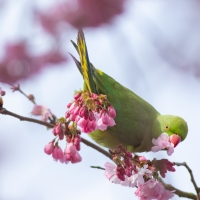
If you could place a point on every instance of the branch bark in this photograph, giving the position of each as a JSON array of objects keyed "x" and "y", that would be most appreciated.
[{"x": 178, "y": 192}]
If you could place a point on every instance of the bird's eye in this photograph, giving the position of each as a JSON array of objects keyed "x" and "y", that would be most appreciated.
[{"x": 167, "y": 127}]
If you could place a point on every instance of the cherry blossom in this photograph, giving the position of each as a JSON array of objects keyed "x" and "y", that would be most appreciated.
[
  {"x": 152, "y": 190},
  {"x": 98, "y": 114},
  {"x": 163, "y": 166},
  {"x": 103, "y": 121},
  {"x": 72, "y": 153},
  {"x": 57, "y": 153},
  {"x": 138, "y": 177},
  {"x": 162, "y": 142},
  {"x": 58, "y": 130},
  {"x": 48, "y": 149},
  {"x": 110, "y": 173}
]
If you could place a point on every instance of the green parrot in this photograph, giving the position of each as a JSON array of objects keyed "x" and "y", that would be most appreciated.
[{"x": 137, "y": 122}]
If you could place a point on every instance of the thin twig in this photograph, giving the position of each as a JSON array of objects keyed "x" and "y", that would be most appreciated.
[
  {"x": 178, "y": 192},
  {"x": 18, "y": 89},
  {"x": 191, "y": 175},
  {"x": 97, "y": 167}
]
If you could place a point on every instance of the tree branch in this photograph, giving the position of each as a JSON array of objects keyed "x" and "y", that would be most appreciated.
[
  {"x": 191, "y": 175},
  {"x": 178, "y": 192},
  {"x": 3, "y": 111}
]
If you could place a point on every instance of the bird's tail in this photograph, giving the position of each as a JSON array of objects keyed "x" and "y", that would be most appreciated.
[{"x": 84, "y": 65}]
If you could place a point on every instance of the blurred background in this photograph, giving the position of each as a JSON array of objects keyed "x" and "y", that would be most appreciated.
[{"x": 150, "y": 46}]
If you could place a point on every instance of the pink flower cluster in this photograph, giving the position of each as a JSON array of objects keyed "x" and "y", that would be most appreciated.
[
  {"x": 163, "y": 142},
  {"x": 138, "y": 171},
  {"x": 148, "y": 190},
  {"x": 120, "y": 176},
  {"x": 70, "y": 153},
  {"x": 93, "y": 115}
]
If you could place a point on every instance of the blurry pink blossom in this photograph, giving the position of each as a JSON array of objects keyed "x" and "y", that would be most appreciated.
[
  {"x": 39, "y": 110},
  {"x": 162, "y": 142},
  {"x": 152, "y": 190},
  {"x": 17, "y": 63},
  {"x": 80, "y": 13}
]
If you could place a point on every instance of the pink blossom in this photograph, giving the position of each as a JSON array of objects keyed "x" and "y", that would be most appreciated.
[
  {"x": 103, "y": 121},
  {"x": 72, "y": 154},
  {"x": 87, "y": 125},
  {"x": 162, "y": 142},
  {"x": 57, "y": 153},
  {"x": 110, "y": 173},
  {"x": 76, "y": 158},
  {"x": 64, "y": 159},
  {"x": 48, "y": 149},
  {"x": 111, "y": 112},
  {"x": 163, "y": 166},
  {"x": 138, "y": 177},
  {"x": 70, "y": 149},
  {"x": 77, "y": 141},
  {"x": 57, "y": 130},
  {"x": 39, "y": 110},
  {"x": 151, "y": 190}
]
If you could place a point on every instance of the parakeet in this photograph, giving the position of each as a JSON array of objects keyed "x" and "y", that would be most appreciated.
[{"x": 137, "y": 122}]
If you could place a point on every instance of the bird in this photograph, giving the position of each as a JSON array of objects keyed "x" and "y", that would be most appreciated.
[{"x": 137, "y": 121}]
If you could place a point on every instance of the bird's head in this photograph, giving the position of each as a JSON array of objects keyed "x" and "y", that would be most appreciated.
[{"x": 174, "y": 126}]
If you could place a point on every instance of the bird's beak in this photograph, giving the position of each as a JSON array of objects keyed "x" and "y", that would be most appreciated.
[{"x": 175, "y": 139}]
